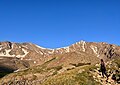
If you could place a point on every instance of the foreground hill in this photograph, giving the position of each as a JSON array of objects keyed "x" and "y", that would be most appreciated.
[{"x": 82, "y": 74}]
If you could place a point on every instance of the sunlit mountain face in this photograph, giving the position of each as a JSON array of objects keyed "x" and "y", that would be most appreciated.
[{"x": 33, "y": 60}]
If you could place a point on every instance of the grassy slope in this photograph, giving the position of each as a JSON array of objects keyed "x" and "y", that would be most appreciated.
[
  {"x": 77, "y": 76},
  {"x": 50, "y": 76}
]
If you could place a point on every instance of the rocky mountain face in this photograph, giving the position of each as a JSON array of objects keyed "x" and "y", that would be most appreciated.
[
  {"x": 24, "y": 55},
  {"x": 35, "y": 65}
]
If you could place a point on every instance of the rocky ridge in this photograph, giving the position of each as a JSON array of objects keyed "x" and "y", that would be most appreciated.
[
  {"x": 32, "y": 55},
  {"x": 30, "y": 60}
]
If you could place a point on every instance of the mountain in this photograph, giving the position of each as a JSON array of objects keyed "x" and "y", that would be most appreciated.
[
  {"x": 28, "y": 58},
  {"x": 28, "y": 54}
]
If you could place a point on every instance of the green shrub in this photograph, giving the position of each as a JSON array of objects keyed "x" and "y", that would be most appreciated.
[{"x": 117, "y": 61}]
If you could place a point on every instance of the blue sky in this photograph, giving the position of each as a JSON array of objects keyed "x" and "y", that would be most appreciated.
[{"x": 59, "y": 23}]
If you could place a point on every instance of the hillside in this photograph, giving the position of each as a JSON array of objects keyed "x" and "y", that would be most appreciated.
[{"x": 77, "y": 64}]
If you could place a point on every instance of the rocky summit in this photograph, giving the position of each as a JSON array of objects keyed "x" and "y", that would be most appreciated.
[{"x": 77, "y": 64}]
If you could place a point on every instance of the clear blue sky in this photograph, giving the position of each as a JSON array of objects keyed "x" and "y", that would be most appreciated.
[{"x": 59, "y": 23}]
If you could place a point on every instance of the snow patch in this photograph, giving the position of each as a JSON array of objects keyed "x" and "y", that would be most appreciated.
[
  {"x": 12, "y": 45},
  {"x": 17, "y": 70},
  {"x": 6, "y": 53},
  {"x": 24, "y": 46},
  {"x": 51, "y": 52},
  {"x": 98, "y": 55},
  {"x": 21, "y": 56},
  {"x": 34, "y": 62},
  {"x": 0, "y": 47},
  {"x": 94, "y": 48},
  {"x": 25, "y": 51},
  {"x": 73, "y": 46},
  {"x": 41, "y": 53},
  {"x": 57, "y": 51},
  {"x": 19, "y": 46},
  {"x": 40, "y": 47},
  {"x": 67, "y": 49},
  {"x": 83, "y": 45},
  {"x": 59, "y": 48},
  {"x": 77, "y": 43}
]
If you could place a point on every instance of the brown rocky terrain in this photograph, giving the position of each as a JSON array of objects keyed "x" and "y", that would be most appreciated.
[
  {"x": 80, "y": 52},
  {"x": 28, "y": 59}
]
